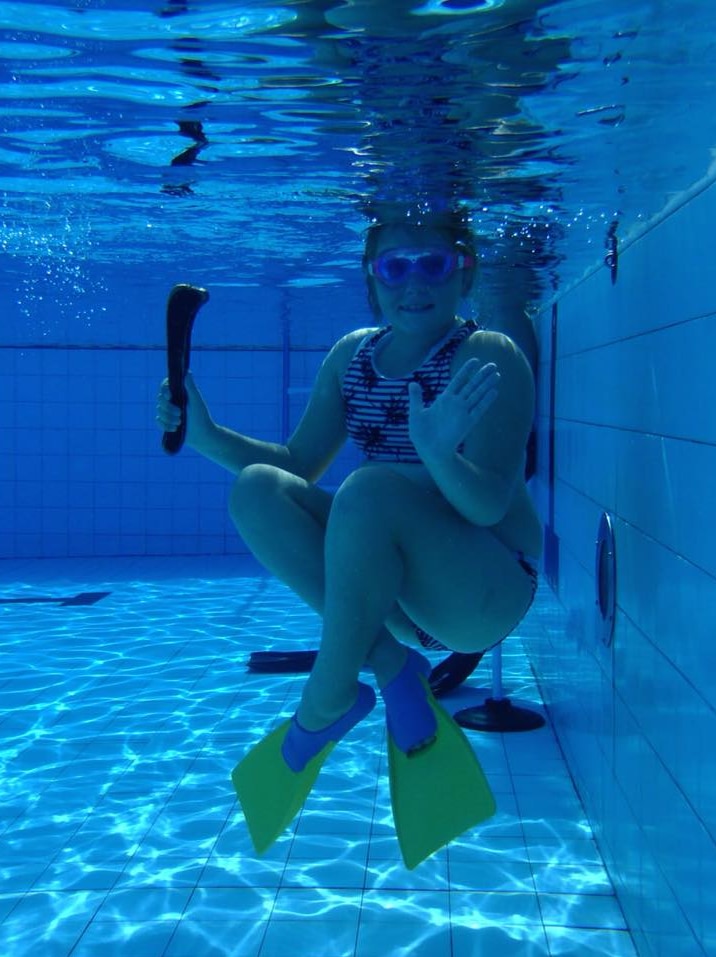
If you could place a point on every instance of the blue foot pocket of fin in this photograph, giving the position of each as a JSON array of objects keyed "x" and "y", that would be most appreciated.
[{"x": 411, "y": 720}]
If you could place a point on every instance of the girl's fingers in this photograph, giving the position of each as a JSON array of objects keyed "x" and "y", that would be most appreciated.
[
  {"x": 168, "y": 415},
  {"x": 464, "y": 374},
  {"x": 481, "y": 386},
  {"x": 170, "y": 422},
  {"x": 415, "y": 396},
  {"x": 472, "y": 375},
  {"x": 485, "y": 401}
]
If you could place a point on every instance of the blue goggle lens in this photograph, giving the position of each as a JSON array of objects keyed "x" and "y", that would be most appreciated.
[{"x": 395, "y": 266}]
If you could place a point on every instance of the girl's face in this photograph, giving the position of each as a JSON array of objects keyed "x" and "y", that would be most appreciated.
[{"x": 419, "y": 278}]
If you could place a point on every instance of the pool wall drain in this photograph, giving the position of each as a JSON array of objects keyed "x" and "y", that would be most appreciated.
[{"x": 605, "y": 575}]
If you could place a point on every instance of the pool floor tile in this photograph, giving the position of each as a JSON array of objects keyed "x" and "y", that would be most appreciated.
[
  {"x": 507, "y": 941},
  {"x": 122, "y": 830}
]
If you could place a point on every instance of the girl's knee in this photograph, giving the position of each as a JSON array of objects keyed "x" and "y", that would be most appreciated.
[
  {"x": 367, "y": 489},
  {"x": 255, "y": 485}
]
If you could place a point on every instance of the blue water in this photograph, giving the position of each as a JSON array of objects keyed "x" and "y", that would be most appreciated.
[
  {"x": 121, "y": 723},
  {"x": 245, "y": 148}
]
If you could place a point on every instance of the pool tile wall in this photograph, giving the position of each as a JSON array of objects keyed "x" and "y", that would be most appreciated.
[
  {"x": 635, "y": 435},
  {"x": 82, "y": 471}
]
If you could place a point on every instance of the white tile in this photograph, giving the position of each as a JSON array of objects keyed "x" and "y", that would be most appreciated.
[
  {"x": 320, "y": 903},
  {"x": 672, "y": 716},
  {"x": 245, "y": 870},
  {"x": 137, "y": 905},
  {"x": 509, "y": 941},
  {"x": 576, "y": 878},
  {"x": 379, "y": 906},
  {"x": 386, "y": 875},
  {"x": 550, "y": 806},
  {"x": 660, "y": 279},
  {"x": 23, "y": 937},
  {"x": 491, "y": 876},
  {"x": 328, "y": 847},
  {"x": 569, "y": 829},
  {"x": 574, "y": 942},
  {"x": 48, "y": 909},
  {"x": 676, "y": 502},
  {"x": 114, "y": 938},
  {"x": 594, "y": 911},
  {"x": 491, "y": 849},
  {"x": 403, "y": 938},
  {"x": 317, "y": 937},
  {"x": 671, "y": 616},
  {"x": 230, "y": 938},
  {"x": 216, "y": 904},
  {"x": 476, "y": 909}
]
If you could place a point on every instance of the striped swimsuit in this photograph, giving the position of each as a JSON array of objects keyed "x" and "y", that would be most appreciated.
[{"x": 377, "y": 406}]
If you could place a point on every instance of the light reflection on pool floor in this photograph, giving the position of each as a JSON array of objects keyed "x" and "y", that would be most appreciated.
[{"x": 120, "y": 722}]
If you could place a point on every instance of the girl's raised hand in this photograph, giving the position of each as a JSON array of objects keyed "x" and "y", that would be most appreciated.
[{"x": 438, "y": 429}]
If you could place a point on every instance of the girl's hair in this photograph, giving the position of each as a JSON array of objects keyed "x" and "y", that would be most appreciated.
[{"x": 453, "y": 224}]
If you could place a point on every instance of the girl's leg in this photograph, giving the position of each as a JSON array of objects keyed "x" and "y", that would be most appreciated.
[
  {"x": 282, "y": 518},
  {"x": 390, "y": 540},
  {"x": 363, "y": 578}
]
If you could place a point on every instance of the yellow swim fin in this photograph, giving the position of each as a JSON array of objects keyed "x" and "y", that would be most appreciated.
[
  {"x": 276, "y": 776},
  {"x": 437, "y": 793},
  {"x": 270, "y": 793}
]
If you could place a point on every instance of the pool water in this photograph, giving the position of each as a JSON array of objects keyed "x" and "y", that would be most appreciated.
[
  {"x": 251, "y": 142},
  {"x": 245, "y": 148},
  {"x": 122, "y": 719}
]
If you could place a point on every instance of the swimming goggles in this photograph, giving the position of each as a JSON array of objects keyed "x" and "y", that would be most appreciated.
[{"x": 394, "y": 267}]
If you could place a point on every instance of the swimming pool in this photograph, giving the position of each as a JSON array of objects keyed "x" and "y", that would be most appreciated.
[{"x": 245, "y": 149}]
